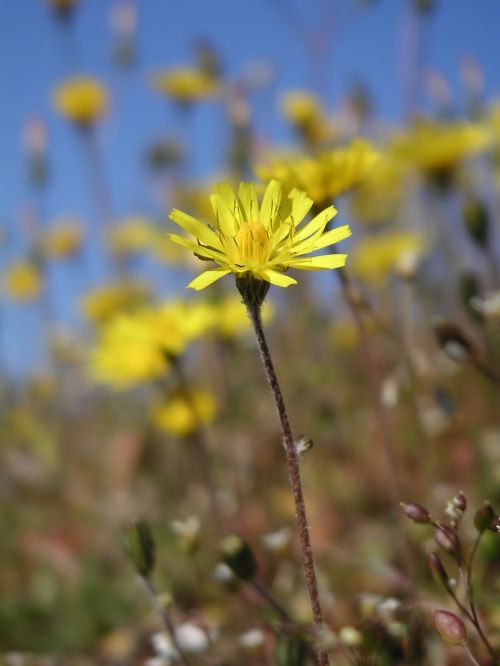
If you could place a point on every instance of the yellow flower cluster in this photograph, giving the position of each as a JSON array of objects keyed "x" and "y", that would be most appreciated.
[
  {"x": 104, "y": 302},
  {"x": 376, "y": 256},
  {"x": 185, "y": 84},
  {"x": 22, "y": 282},
  {"x": 131, "y": 236},
  {"x": 324, "y": 177},
  {"x": 139, "y": 347},
  {"x": 82, "y": 100},
  {"x": 305, "y": 112}
]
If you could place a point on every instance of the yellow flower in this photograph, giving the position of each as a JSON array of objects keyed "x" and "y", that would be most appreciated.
[
  {"x": 82, "y": 100},
  {"x": 374, "y": 258},
  {"x": 261, "y": 241},
  {"x": 231, "y": 316},
  {"x": 132, "y": 236},
  {"x": 185, "y": 84},
  {"x": 139, "y": 346},
  {"x": 325, "y": 176},
  {"x": 22, "y": 282},
  {"x": 305, "y": 112},
  {"x": 181, "y": 415},
  {"x": 127, "y": 353},
  {"x": 62, "y": 239},
  {"x": 379, "y": 198},
  {"x": 102, "y": 303},
  {"x": 436, "y": 147}
]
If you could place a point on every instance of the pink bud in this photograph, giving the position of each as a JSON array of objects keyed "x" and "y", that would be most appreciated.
[{"x": 450, "y": 627}]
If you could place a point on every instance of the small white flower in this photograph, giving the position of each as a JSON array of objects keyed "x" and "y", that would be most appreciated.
[
  {"x": 252, "y": 639},
  {"x": 277, "y": 541},
  {"x": 350, "y": 636},
  {"x": 191, "y": 638}
]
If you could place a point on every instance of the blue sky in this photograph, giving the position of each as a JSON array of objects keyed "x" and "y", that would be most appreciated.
[{"x": 369, "y": 45}]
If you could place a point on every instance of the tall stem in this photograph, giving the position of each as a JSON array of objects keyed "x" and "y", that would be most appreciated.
[{"x": 292, "y": 458}]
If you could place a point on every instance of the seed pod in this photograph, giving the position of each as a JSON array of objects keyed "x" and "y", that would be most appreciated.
[
  {"x": 438, "y": 571},
  {"x": 140, "y": 547},
  {"x": 238, "y": 556},
  {"x": 484, "y": 517},
  {"x": 416, "y": 512},
  {"x": 450, "y": 627}
]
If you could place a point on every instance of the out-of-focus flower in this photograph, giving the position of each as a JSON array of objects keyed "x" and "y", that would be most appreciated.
[
  {"x": 263, "y": 241},
  {"x": 82, "y": 100},
  {"x": 62, "y": 239},
  {"x": 131, "y": 236},
  {"x": 380, "y": 196},
  {"x": 375, "y": 257},
  {"x": 277, "y": 542},
  {"x": 139, "y": 347},
  {"x": 22, "y": 282},
  {"x": 185, "y": 84},
  {"x": 181, "y": 415},
  {"x": 436, "y": 148},
  {"x": 231, "y": 317},
  {"x": 325, "y": 176},
  {"x": 188, "y": 531},
  {"x": 104, "y": 302},
  {"x": 489, "y": 305},
  {"x": 63, "y": 7},
  {"x": 252, "y": 639},
  {"x": 305, "y": 112}
]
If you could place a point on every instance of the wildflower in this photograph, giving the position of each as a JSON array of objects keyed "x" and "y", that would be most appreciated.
[
  {"x": 181, "y": 415},
  {"x": 436, "y": 148},
  {"x": 185, "y": 84},
  {"x": 305, "y": 112},
  {"x": 380, "y": 196},
  {"x": 260, "y": 242},
  {"x": 325, "y": 176},
  {"x": 375, "y": 257},
  {"x": 82, "y": 100},
  {"x": 131, "y": 236},
  {"x": 104, "y": 302},
  {"x": 188, "y": 532},
  {"x": 22, "y": 282},
  {"x": 231, "y": 317},
  {"x": 62, "y": 239}
]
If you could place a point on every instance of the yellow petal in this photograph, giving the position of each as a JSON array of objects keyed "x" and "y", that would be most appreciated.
[
  {"x": 279, "y": 279},
  {"x": 322, "y": 262},
  {"x": 318, "y": 223},
  {"x": 195, "y": 227},
  {"x": 249, "y": 201},
  {"x": 270, "y": 204},
  {"x": 207, "y": 278},
  {"x": 328, "y": 238},
  {"x": 201, "y": 250}
]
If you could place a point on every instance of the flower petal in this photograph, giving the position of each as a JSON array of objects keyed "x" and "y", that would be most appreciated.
[
  {"x": 317, "y": 223},
  {"x": 277, "y": 278},
  {"x": 329, "y": 238},
  {"x": 197, "y": 249},
  {"x": 208, "y": 277},
  {"x": 323, "y": 262},
  {"x": 249, "y": 201},
  {"x": 270, "y": 204},
  {"x": 195, "y": 227}
]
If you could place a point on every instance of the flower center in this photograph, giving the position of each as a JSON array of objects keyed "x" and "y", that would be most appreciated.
[{"x": 252, "y": 243}]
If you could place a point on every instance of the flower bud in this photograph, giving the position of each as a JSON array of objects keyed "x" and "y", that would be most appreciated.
[
  {"x": 438, "y": 571},
  {"x": 238, "y": 556},
  {"x": 450, "y": 627},
  {"x": 416, "y": 512},
  {"x": 140, "y": 547},
  {"x": 447, "y": 540},
  {"x": 253, "y": 291},
  {"x": 477, "y": 222},
  {"x": 484, "y": 517},
  {"x": 456, "y": 507}
]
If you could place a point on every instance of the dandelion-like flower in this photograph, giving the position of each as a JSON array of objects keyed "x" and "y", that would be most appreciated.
[
  {"x": 260, "y": 240},
  {"x": 184, "y": 84},
  {"x": 82, "y": 100},
  {"x": 22, "y": 282}
]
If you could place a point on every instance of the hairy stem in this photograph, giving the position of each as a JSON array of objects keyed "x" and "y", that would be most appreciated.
[{"x": 254, "y": 312}]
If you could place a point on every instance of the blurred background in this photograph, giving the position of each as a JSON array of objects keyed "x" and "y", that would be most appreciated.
[{"x": 124, "y": 395}]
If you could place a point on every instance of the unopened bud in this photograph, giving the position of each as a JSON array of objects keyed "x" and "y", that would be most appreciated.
[
  {"x": 477, "y": 222},
  {"x": 416, "y": 512},
  {"x": 455, "y": 342},
  {"x": 447, "y": 540},
  {"x": 140, "y": 547},
  {"x": 238, "y": 556},
  {"x": 484, "y": 517},
  {"x": 438, "y": 571},
  {"x": 303, "y": 444},
  {"x": 450, "y": 627}
]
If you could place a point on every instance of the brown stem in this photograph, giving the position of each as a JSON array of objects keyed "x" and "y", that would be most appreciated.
[
  {"x": 165, "y": 617},
  {"x": 254, "y": 312}
]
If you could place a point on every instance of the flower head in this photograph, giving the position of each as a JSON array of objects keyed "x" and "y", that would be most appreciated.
[
  {"x": 324, "y": 176},
  {"x": 185, "y": 84},
  {"x": 132, "y": 236},
  {"x": 104, "y": 302},
  {"x": 82, "y": 100},
  {"x": 180, "y": 415},
  {"x": 22, "y": 282},
  {"x": 62, "y": 239},
  {"x": 260, "y": 240}
]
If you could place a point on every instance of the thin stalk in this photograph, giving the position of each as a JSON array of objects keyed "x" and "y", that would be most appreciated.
[
  {"x": 468, "y": 652},
  {"x": 270, "y": 600},
  {"x": 164, "y": 616},
  {"x": 292, "y": 458}
]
